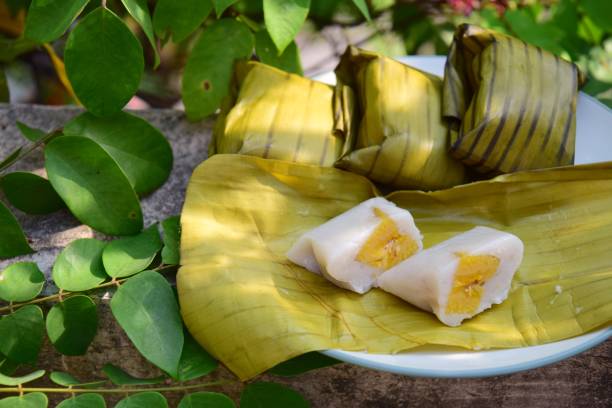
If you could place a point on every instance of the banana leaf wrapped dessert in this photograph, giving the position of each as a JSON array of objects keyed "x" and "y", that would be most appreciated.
[
  {"x": 277, "y": 115},
  {"x": 401, "y": 140},
  {"x": 511, "y": 106}
]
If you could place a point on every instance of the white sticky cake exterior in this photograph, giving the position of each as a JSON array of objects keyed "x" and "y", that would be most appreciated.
[
  {"x": 426, "y": 279},
  {"x": 331, "y": 248}
]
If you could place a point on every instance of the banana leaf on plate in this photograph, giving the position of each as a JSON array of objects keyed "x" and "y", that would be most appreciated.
[
  {"x": 511, "y": 105},
  {"x": 252, "y": 308}
]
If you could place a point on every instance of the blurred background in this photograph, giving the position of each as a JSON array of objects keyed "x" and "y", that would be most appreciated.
[{"x": 578, "y": 30}]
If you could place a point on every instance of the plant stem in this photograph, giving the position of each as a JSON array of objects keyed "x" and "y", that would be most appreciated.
[
  {"x": 65, "y": 295},
  {"x": 118, "y": 390},
  {"x": 30, "y": 148}
]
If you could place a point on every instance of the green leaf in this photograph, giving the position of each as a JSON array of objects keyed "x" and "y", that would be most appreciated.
[
  {"x": 600, "y": 11},
  {"x": 209, "y": 68},
  {"x": 7, "y": 366},
  {"x": 130, "y": 255},
  {"x": 527, "y": 29},
  {"x": 67, "y": 380},
  {"x": 21, "y": 334},
  {"x": 30, "y": 133},
  {"x": 206, "y": 400},
  {"x": 172, "y": 239},
  {"x": 363, "y": 8},
  {"x": 8, "y": 161},
  {"x": 180, "y": 18},
  {"x": 72, "y": 325},
  {"x": 222, "y": 5},
  {"x": 104, "y": 62},
  {"x": 30, "y": 193},
  {"x": 271, "y": 395},
  {"x": 13, "y": 240},
  {"x": 195, "y": 362},
  {"x": 83, "y": 401},
  {"x": 288, "y": 61},
  {"x": 14, "y": 381},
  {"x": 143, "y": 400},
  {"x": 147, "y": 310},
  {"x": 139, "y": 10},
  {"x": 20, "y": 282},
  {"x": 92, "y": 185},
  {"x": 31, "y": 400},
  {"x": 79, "y": 266},
  {"x": 120, "y": 377},
  {"x": 47, "y": 20},
  {"x": 302, "y": 364},
  {"x": 283, "y": 19},
  {"x": 140, "y": 149}
]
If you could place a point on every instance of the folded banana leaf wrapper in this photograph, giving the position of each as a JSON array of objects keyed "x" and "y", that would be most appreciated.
[
  {"x": 252, "y": 308},
  {"x": 401, "y": 140},
  {"x": 511, "y": 106},
  {"x": 274, "y": 114}
]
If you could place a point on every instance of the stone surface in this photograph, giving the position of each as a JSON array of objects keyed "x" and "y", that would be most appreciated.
[{"x": 581, "y": 381}]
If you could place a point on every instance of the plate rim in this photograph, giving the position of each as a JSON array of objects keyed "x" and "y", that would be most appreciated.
[{"x": 506, "y": 369}]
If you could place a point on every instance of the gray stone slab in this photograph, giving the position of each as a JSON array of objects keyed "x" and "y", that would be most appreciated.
[{"x": 581, "y": 381}]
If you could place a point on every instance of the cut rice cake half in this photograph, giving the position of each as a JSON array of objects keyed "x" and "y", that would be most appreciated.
[
  {"x": 460, "y": 277},
  {"x": 352, "y": 249}
]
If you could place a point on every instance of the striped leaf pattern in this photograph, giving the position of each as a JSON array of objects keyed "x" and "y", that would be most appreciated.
[
  {"x": 401, "y": 141},
  {"x": 277, "y": 115},
  {"x": 511, "y": 105},
  {"x": 252, "y": 308}
]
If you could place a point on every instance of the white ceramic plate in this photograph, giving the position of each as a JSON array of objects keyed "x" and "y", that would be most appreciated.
[{"x": 593, "y": 144}]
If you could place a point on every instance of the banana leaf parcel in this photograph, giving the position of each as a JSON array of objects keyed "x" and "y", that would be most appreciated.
[
  {"x": 248, "y": 305},
  {"x": 512, "y": 106},
  {"x": 274, "y": 114},
  {"x": 401, "y": 140}
]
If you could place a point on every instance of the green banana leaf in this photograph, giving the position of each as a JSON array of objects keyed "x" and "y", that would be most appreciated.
[
  {"x": 252, "y": 308},
  {"x": 274, "y": 114},
  {"x": 512, "y": 106},
  {"x": 401, "y": 140}
]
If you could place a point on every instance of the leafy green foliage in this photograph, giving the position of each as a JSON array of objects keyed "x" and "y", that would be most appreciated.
[
  {"x": 172, "y": 237},
  {"x": 120, "y": 377},
  {"x": 546, "y": 36},
  {"x": 72, "y": 325},
  {"x": 301, "y": 364},
  {"x": 363, "y": 8},
  {"x": 222, "y": 5},
  {"x": 147, "y": 310},
  {"x": 143, "y": 400},
  {"x": 104, "y": 62},
  {"x": 30, "y": 133},
  {"x": 83, "y": 401},
  {"x": 13, "y": 240},
  {"x": 13, "y": 381},
  {"x": 600, "y": 12},
  {"x": 209, "y": 67},
  {"x": 140, "y": 150},
  {"x": 92, "y": 185},
  {"x": 283, "y": 19},
  {"x": 31, "y": 400},
  {"x": 206, "y": 400},
  {"x": 139, "y": 10},
  {"x": 270, "y": 395},
  {"x": 79, "y": 266},
  {"x": 130, "y": 255},
  {"x": 49, "y": 19},
  {"x": 7, "y": 367},
  {"x": 288, "y": 61},
  {"x": 21, "y": 282},
  {"x": 21, "y": 334},
  {"x": 67, "y": 380},
  {"x": 179, "y": 18},
  {"x": 195, "y": 362},
  {"x": 10, "y": 159},
  {"x": 30, "y": 193}
]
